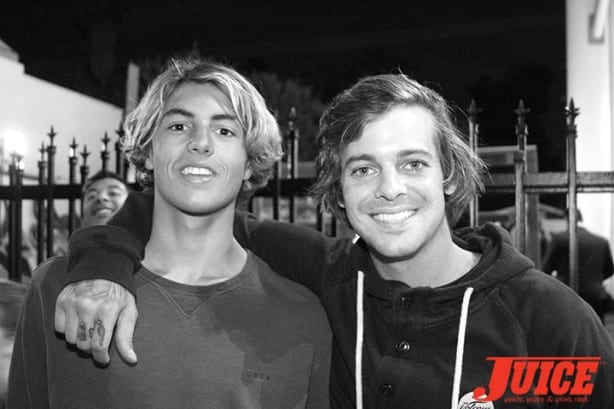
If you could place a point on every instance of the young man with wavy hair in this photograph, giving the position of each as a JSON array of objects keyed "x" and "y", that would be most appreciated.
[
  {"x": 217, "y": 328},
  {"x": 417, "y": 309}
]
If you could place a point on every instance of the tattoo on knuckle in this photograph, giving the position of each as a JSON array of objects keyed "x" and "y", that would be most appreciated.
[{"x": 81, "y": 332}]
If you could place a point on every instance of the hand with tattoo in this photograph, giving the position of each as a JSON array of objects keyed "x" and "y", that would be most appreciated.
[{"x": 86, "y": 313}]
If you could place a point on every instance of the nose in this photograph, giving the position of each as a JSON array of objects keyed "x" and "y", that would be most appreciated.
[
  {"x": 102, "y": 197},
  {"x": 201, "y": 142},
  {"x": 390, "y": 185}
]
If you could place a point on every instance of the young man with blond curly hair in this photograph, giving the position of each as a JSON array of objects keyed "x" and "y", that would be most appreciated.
[{"x": 217, "y": 328}]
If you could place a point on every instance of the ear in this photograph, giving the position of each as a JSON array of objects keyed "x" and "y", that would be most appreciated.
[
  {"x": 248, "y": 172},
  {"x": 340, "y": 203},
  {"x": 449, "y": 188},
  {"x": 449, "y": 184},
  {"x": 149, "y": 163}
]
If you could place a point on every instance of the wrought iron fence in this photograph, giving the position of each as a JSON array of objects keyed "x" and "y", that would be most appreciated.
[{"x": 289, "y": 186}]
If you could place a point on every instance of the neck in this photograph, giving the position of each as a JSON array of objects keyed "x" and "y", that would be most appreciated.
[
  {"x": 434, "y": 265},
  {"x": 195, "y": 250}
]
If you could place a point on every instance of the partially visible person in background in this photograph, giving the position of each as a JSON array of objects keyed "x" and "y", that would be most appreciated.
[
  {"x": 594, "y": 265},
  {"x": 103, "y": 195},
  {"x": 12, "y": 295}
]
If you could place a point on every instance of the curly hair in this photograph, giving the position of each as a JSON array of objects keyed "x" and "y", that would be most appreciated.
[
  {"x": 370, "y": 98},
  {"x": 262, "y": 134}
]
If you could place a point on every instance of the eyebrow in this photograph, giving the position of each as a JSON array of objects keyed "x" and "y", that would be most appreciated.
[
  {"x": 217, "y": 117},
  {"x": 117, "y": 185},
  {"x": 370, "y": 158},
  {"x": 356, "y": 158}
]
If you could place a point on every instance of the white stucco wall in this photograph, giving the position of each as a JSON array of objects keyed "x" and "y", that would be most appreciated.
[
  {"x": 28, "y": 109},
  {"x": 590, "y": 77},
  {"x": 30, "y": 106}
]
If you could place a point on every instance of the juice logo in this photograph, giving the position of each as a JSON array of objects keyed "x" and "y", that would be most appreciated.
[{"x": 571, "y": 376}]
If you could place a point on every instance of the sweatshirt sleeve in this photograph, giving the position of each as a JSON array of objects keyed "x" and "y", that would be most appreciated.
[
  {"x": 114, "y": 251},
  {"x": 299, "y": 253},
  {"x": 27, "y": 386}
]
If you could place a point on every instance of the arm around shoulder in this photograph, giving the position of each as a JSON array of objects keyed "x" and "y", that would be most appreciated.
[
  {"x": 114, "y": 251},
  {"x": 104, "y": 252},
  {"x": 301, "y": 254}
]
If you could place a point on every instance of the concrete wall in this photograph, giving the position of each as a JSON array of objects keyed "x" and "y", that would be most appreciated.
[
  {"x": 590, "y": 76},
  {"x": 30, "y": 106},
  {"x": 28, "y": 109}
]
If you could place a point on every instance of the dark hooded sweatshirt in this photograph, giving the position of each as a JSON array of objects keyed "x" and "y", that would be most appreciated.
[{"x": 414, "y": 347}]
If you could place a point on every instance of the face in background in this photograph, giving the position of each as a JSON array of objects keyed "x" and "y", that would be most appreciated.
[
  {"x": 198, "y": 155},
  {"x": 102, "y": 199},
  {"x": 392, "y": 184}
]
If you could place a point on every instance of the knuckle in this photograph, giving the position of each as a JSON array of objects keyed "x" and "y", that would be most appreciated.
[
  {"x": 98, "y": 349},
  {"x": 107, "y": 307},
  {"x": 64, "y": 299},
  {"x": 85, "y": 305},
  {"x": 85, "y": 347}
]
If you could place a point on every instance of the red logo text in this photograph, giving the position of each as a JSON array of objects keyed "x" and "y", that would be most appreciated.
[{"x": 572, "y": 376}]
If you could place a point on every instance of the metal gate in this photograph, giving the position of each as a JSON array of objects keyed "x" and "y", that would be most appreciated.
[{"x": 524, "y": 182}]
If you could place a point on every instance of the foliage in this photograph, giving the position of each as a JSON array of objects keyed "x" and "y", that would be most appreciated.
[
  {"x": 283, "y": 95},
  {"x": 280, "y": 94}
]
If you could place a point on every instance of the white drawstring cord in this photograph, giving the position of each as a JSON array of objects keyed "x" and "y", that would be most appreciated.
[
  {"x": 359, "y": 337},
  {"x": 460, "y": 347}
]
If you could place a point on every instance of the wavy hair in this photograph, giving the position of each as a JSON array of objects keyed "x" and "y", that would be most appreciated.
[
  {"x": 370, "y": 98},
  {"x": 262, "y": 134}
]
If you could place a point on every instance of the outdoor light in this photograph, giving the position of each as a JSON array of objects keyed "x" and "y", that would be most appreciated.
[
  {"x": 73, "y": 146},
  {"x": 14, "y": 141}
]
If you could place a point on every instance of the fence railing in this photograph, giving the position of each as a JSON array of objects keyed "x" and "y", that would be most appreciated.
[
  {"x": 288, "y": 184},
  {"x": 45, "y": 193}
]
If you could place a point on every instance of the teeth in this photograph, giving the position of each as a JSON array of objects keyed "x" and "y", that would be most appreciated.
[
  {"x": 103, "y": 212},
  {"x": 393, "y": 217},
  {"x": 191, "y": 170}
]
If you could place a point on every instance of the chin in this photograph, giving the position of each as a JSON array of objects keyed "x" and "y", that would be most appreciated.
[
  {"x": 391, "y": 253},
  {"x": 199, "y": 208}
]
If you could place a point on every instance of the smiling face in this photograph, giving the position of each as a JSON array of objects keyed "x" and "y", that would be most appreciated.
[
  {"x": 198, "y": 154},
  {"x": 392, "y": 185},
  {"x": 102, "y": 199}
]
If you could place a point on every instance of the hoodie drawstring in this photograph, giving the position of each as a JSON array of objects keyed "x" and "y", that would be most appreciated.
[
  {"x": 460, "y": 347},
  {"x": 360, "y": 329},
  {"x": 460, "y": 342}
]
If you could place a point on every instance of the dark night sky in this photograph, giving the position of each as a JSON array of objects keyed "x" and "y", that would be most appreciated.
[{"x": 495, "y": 51}]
